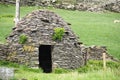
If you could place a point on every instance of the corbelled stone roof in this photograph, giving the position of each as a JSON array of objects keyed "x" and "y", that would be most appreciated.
[{"x": 39, "y": 26}]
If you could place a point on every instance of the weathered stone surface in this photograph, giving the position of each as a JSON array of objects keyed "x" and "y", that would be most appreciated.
[
  {"x": 114, "y": 6},
  {"x": 81, "y": 5},
  {"x": 6, "y": 73},
  {"x": 4, "y": 50},
  {"x": 96, "y": 53}
]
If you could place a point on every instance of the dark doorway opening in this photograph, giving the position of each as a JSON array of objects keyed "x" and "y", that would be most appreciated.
[{"x": 45, "y": 61}]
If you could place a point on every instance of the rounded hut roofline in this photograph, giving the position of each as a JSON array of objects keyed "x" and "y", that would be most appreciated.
[
  {"x": 38, "y": 29},
  {"x": 40, "y": 25}
]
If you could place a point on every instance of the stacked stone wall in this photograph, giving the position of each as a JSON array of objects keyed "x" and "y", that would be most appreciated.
[
  {"x": 81, "y": 5},
  {"x": 4, "y": 50}
]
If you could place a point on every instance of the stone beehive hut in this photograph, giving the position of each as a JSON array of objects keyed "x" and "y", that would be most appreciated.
[{"x": 40, "y": 50}]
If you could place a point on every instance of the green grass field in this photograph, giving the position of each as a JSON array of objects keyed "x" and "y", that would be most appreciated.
[{"x": 92, "y": 28}]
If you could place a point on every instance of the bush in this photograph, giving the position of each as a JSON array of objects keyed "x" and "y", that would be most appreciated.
[
  {"x": 58, "y": 33},
  {"x": 22, "y": 39}
]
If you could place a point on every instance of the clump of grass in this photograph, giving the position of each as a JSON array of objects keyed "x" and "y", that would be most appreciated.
[
  {"x": 113, "y": 65},
  {"x": 58, "y": 33},
  {"x": 22, "y": 39},
  {"x": 9, "y": 64},
  {"x": 91, "y": 66}
]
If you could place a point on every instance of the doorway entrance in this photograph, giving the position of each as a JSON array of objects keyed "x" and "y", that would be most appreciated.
[{"x": 45, "y": 61}]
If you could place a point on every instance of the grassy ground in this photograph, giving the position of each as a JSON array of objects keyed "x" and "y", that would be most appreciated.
[
  {"x": 98, "y": 75},
  {"x": 23, "y": 72},
  {"x": 95, "y": 74}
]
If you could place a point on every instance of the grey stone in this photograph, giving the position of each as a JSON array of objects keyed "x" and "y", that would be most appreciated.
[
  {"x": 114, "y": 6},
  {"x": 6, "y": 73}
]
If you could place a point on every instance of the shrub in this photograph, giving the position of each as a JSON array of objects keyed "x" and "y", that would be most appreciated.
[
  {"x": 58, "y": 33},
  {"x": 22, "y": 39}
]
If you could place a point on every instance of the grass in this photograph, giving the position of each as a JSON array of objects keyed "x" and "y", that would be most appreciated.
[
  {"x": 23, "y": 72},
  {"x": 98, "y": 75},
  {"x": 92, "y": 28},
  {"x": 6, "y": 22}
]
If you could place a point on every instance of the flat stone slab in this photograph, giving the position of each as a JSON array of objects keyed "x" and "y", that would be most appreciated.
[{"x": 6, "y": 73}]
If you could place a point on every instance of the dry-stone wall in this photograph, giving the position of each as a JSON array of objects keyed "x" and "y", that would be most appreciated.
[
  {"x": 81, "y": 5},
  {"x": 4, "y": 50},
  {"x": 88, "y": 7},
  {"x": 115, "y": 6},
  {"x": 92, "y": 5},
  {"x": 96, "y": 53}
]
